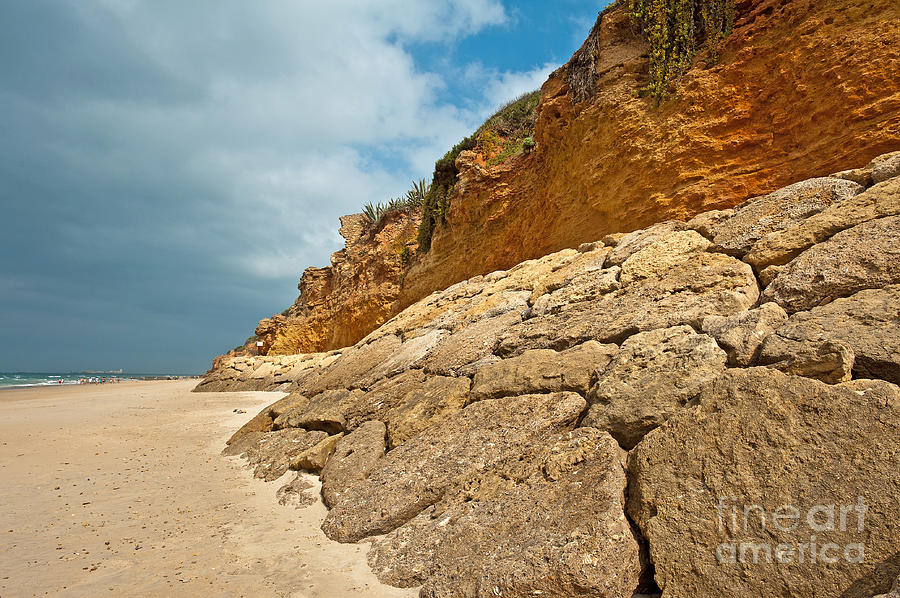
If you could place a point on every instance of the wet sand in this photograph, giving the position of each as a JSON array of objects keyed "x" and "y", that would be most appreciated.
[{"x": 120, "y": 490}]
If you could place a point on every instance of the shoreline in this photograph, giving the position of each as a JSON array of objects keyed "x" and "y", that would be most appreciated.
[
  {"x": 121, "y": 489},
  {"x": 71, "y": 385}
]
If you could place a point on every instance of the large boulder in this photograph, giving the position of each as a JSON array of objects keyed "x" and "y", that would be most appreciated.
[
  {"x": 354, "y": 456},
  {"x": 880, "y": 169},
  {"x": 265, "y": 419},
  {"x": 866, "y": 323},
  {"x": 547, "y": 522},
  {"x": 773, "y": 485},
  {"x": 635, "y": 241},
  {"x": 409, "y": 403},
  {"x": 698, "y": 285},
  {"x": 416, "y": 474},
  {"x": 863, "y": 257},
  {"x": 272, "y": 452},
  {"x": 664, "y": 253},
  {"x": 468, "y": 344},
  {"x": 652, "y": 376},
  {"x": 406, "y": 356},
  {"x": 762, "y": 216},
  {"x": 742, "y": 334},
  {"x": 542, "y": 370},
  {"x": 781, "y": 247},
  {"x": 349, "y": 369},
  {"x": 326, "y": 411}
]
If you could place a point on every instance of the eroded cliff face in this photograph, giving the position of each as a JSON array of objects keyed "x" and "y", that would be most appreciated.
[
  {"x": 800, "y": 88},
  {"x": 556, "y": 428},
  {"x": 340, "y": 304}
]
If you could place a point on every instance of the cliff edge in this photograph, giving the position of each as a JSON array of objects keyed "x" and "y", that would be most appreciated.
[{"x": 797, "y": 89}]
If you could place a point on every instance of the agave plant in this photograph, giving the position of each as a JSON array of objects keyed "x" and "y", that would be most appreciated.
[
  {"x": 370, "y": 212},
  {"x": 415, "y": 197}
]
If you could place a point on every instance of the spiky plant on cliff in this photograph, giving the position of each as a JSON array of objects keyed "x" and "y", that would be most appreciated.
[
  {"x": 415, "y": 197},
  {"x": 676, "y": 30}
]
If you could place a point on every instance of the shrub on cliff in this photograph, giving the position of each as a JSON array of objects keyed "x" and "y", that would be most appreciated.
[
  {"x": 676, "y": 29},
  {"x": 437, "y": 200}
]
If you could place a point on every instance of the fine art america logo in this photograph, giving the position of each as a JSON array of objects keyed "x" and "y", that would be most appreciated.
[{"x": 813, "y": 526}]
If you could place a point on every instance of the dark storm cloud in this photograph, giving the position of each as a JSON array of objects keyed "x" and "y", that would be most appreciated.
[{"x": 168, "y": 169}]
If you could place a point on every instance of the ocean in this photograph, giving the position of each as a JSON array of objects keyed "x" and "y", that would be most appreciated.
[{"x": 27, "y": 379}]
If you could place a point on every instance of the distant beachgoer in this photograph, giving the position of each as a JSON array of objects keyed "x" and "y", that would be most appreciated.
[{"x": 60, "y": 380}]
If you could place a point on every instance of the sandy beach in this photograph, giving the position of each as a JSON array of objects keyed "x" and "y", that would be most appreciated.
[{"x": 120, "y": 490}]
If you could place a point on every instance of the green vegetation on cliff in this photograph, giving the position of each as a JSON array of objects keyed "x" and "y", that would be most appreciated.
[
  {"x": 507, "y": 132},
  {"x": 438, "y": 198},
  {"x": 676, "y": 30},
  {"x": 414, "y": 198}
]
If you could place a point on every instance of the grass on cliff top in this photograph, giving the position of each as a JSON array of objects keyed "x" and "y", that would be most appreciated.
[{"x": 505, "y": 133}]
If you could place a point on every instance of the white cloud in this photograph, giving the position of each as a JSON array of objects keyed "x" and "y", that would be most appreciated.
[
  {"x": 195, "y": 156},
  {"x": 281, "y": 95},
  {"x": 502, "y": 86}
]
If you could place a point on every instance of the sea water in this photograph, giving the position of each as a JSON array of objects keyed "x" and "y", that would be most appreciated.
[{"x": 27, "y": 379}]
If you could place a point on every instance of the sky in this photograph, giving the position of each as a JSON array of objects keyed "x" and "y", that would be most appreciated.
[{"x": 168, "y": 169}]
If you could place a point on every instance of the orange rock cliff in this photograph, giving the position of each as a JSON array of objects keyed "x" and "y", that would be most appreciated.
[{"x": 800, "y": 88}]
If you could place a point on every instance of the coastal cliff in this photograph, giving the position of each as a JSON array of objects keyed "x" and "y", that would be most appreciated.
[
  {"x": 578, "y": 424},
  {"x": 797, "y": 90},
  {"x": 630, "y": 329}
]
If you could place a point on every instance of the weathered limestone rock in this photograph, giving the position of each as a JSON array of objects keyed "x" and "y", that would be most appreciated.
[
  {"x": 775, "y": 445},
  {"x": 880, "y": 169},
  {"x": 768, "y": 274},
  {"x": 552, "y": 524},
  {"x": 469, "y": 344},
  {"x": 296, "y": 493},
  {"x": 355, "y": 456},
  {"x": 265, "y": 419},
  {"x": 661, "y": 255},
  {"x": 895, "y": 590},
  {"x": 781, "y": 247},
  {"x": 273, "y": 452},
  {"x": 702, "y": 284},
  {"x": 827, "y": 360},
  {"x": 416, "y": 474},
  {"x": 742, "y": 334},
  {"x": 706, "y": 223},
  {"x": 325, "y": 411},
  {"x": 867, "y": 323},
  {"x": 239, "y": 445},
  {"x": 354, "y": 363},
  {"x": 761, "y": 216},
  {"x": 576, "y": 270},
  {"x": 410, "y": 403},
  {"x": 314, "y": 458},
  {"x": 407, "y": 355},
  {"x": 542, "y": 370},
  {"x": 580, "y": 288},
  {"x": 637, "y": 240},
  {"x": 652, "y": 376},
  {"x": 244, "y": 372},
  {"x": 612, "y": 239},
  {"x": 863, "y": 257}
]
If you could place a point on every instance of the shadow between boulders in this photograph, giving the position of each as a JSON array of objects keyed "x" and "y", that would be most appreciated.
[{"x": 877, "y": 582}]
